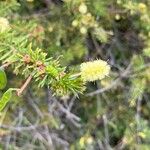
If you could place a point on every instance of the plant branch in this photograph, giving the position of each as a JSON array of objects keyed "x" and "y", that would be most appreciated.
[
  {"x": 6, "y": 65},
  {"x": 20, "y": 91}
]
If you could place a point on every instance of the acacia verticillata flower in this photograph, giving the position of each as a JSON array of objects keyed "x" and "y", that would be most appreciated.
[
  {"x": 4, "y": 24},
  {"x": 94, "y": 70}
]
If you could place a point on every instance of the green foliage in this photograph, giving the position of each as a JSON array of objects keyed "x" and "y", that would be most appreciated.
[
  {"x": 46, "y": 71},
  {"x": 3, "y": 79},
  {"x": 5, "y": 98},
  {"x": 7, "y": 7}
]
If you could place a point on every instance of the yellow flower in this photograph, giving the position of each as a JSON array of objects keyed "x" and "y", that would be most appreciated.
[
  {"x": 82, "y": 141},
  {"x": 142, "y": 135},
  {"x": 50, "y": 29},
  {"x": 142, "y": 7},
  {"x": 75, "y": 23},
  {"x": 89, "y": 140},
  {"x": 87, "y": 19},
  {"x": 4, "y": 24},
  {"x": 96, "y": 70},
  {"x": 82, "y": 8},
  {"x": 118, "y": 1},
  {"x": 117, "y": 17},
  {"x": 83, "y": 30}
]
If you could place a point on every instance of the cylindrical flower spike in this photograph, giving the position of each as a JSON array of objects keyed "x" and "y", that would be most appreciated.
[
  {"x": 94, "y": 70},
  {"x": 82, "y": 8},
  {"x": 4, "y": 24}
]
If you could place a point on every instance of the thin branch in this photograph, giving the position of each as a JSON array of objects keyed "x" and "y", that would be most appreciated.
[
  {"x": 4, "y": 66},
  {"x": 18, "y": 129},
  {"x": 20, "y": 91},
  {"x": 56, "y": 104},
  {"x": 106, "y": 132},
  {"x": 138, "y": 117}
]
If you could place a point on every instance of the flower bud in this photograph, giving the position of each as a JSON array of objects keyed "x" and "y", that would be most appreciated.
[
  {"x": 82, "y": 8},
  {"x": 4, "y": 24}
]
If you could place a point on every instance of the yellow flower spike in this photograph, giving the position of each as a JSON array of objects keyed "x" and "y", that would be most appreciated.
[
  {"x": 142, "y": 7},
  {"x": 50, "y": 29},
  {"x": 95, "y": 70},
  {"x": 142, "y": 135},
  {"x": 89, "y": 140},
  {"x": 83, "y": 8},
  {"x": 117, "y": 17},
  {"x": 87, "y": 19},
  {"x": 82, "y": 141},
  {"x": 75, "y": 23},
  {"x": 4, "y": 24},
  {"x": 83, "y": 30}
]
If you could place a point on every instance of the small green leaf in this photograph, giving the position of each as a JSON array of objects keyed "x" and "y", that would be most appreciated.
[
  {"x": 6, "y": 55},
  {"x": 5, "y": 98},
  {"x": 3, "y": 79}
]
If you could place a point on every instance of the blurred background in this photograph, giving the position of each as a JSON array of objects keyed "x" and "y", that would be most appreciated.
[{"x": 112, "y": 114}]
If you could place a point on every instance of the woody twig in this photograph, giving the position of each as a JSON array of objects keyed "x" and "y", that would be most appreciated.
[
  {"x": 6, "y": 65},
  {"x": 20, "y": 91}
]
